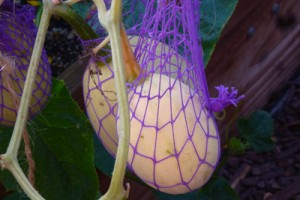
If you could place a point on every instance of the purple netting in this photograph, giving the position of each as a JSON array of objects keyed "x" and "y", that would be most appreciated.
[
  {"x": 16, "y": 44},
  {"x": 174, "y": 142}
]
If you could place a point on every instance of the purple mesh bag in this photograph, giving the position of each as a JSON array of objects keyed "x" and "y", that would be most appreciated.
[
  {"x": 174, "y": 142},
  {"x": 16, "y": 44}
]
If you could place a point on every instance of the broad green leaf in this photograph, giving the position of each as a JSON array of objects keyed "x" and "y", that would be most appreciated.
[
  {"x": 214, "y": 16},
  {"x": 82, "y": 8},
  {"x": 257, "y": 130},
  {"x": 217, "y": 188},
  {"x": 236, "y": 145},
  {"x": 6, "y": 178},
  {"x": 63, "y": 149},
  {"x": 133, "y": 11},
  {"x": 103, "y": 160}
]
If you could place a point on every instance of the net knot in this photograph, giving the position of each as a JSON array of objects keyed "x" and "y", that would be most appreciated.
[{"x": 225, "y": 98}]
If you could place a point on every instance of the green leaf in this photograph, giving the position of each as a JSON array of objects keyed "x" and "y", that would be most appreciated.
[
  {"x": 257, "y": 130},
  {"x": 6, "y": 177},
  {"x": 103, "y": 160},
  {"x": 217, "y": 188},
  {"x": 133, "y": 16},
  {"x": 236, "y": 145},
  {"x": 82, "y": 8},
  {"x": 63, "y": 149},
  {"x": 214, "y": 16}
]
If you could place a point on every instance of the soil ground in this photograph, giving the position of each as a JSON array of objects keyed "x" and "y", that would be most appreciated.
[{"x": 274, "y": 175}]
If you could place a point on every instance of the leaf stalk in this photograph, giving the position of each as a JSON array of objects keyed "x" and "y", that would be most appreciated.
[
  {"x": 111, "y": 21},
  {"x": 9, "y": 160}
]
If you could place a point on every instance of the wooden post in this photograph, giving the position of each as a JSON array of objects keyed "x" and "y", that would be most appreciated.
[{"x": 257, "y": 53}]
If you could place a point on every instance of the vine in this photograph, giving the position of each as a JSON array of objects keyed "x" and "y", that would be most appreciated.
[
  {"x": 111, "y": 21},
  {"x": 9, "y": 160}
]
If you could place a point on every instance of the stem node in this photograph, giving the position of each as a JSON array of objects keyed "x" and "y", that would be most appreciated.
[{"x": 111, "y": 21}]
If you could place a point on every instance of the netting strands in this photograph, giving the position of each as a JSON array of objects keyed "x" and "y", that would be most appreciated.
[
  {"x": 186, "y": 143},
  {"x": 98, "y": 80},
  {"x": 174, "y": 142},
  {"x": 16, "y": 44}
]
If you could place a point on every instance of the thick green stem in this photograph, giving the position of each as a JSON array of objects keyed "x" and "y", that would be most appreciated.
[
  {"x": 84, "y": 31},
  {"x": 116, "y": 186},
  {"x": 111, "y": 20},
  {"x": 21, "y": 120},
  {"x": 9, "y": 159}
]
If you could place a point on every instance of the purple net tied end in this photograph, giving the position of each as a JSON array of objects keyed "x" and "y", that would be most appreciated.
[{"x": 225, "y": 98}]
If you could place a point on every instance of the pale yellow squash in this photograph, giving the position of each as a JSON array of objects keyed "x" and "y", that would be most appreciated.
[
  {"x": 174, "y": 145},
  {"x": 12, "y": 81},
  {"x": 100, "y": 97}
]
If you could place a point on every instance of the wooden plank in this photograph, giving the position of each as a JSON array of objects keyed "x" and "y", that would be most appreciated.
[
  {"x": 73, "y": 79},
  {"x": 258, "y": 64}
]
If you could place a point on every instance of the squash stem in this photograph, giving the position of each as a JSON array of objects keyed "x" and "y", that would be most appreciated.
[
  {"x": 9, "y": 160},
  {"x": 132, "y": 68},
  {"x": 111, "y": 20}
]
